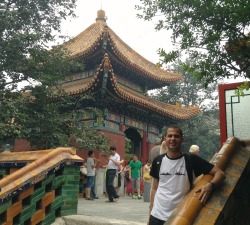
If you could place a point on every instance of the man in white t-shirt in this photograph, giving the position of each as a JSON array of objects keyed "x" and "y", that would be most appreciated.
[
  {"x": 112, "y": 168},
  {"x": 171, "y": 180}
]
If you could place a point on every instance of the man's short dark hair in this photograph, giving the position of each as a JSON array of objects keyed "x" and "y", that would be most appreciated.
[
  {"x": 174, "y": 127},
  {"x": 90, "y": 153},
  {"x": 113, "y": 148}
]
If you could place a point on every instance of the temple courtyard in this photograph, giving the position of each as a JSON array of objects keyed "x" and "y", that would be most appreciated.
[{"x": 98, "y": 212}]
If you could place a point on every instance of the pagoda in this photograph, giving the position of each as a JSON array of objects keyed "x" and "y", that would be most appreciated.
[{"x": 119, "y": 78}]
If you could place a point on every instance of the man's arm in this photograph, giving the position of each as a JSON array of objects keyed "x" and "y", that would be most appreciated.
[
  {"x": 205, "y": 190},
  {"x": 153, "y": 190},
  {"x": 115, "y": 162}
]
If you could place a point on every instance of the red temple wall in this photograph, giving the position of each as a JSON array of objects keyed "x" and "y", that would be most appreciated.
[
  {"x": 21, "y": 145},
  {"x": 116, "y": 139}
]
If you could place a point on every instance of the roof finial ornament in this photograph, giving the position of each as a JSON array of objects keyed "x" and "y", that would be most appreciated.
[{"x": 101, "y": 15}]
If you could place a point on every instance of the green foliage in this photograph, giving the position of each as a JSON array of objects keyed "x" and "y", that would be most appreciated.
[
  {"x": 26, "y": 31},
  {"x": 240, "y": 90},
  {"x": 87, "y": 138},
  {"x": 202, "y": 130},
  {"x": 127, "y": 148},
  {"x": 29, "y": 68},
  {"x": 212, "y": 33},
  {"x": 11, "y": 105},
  {"x": 49, "y": 123},
  {"x": 188, "y": 91}
]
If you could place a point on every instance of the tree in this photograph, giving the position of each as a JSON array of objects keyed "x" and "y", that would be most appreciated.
[
  {"x": 56, "y": 121},
  {"x": 214, "y": 34},
  {"x": 32, "y": 110},
  {"x": 203, "y": 129},
  {"x": 27, "y": 29},
  {"x": 127, "y": 148},
  {"x": 188, "y": 91}
]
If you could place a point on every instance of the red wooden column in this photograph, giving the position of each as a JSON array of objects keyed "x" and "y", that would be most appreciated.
[{"x": 144, "y": 150}]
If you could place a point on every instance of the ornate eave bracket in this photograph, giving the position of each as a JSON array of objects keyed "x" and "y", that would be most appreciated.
[{"x": 105, "y": 72}]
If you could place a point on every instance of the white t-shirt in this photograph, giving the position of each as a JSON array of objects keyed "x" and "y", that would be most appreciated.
[
  {"x": 116, "y": 158},
  {"x": 172, "y": 187},
  {"x": 90, "y": 171}
]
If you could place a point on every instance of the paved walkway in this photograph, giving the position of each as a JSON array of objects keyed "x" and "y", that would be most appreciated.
[{"x": 98, "y": 212}]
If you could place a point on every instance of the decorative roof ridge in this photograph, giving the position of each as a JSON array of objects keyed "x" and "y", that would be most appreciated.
[
  {"x": 173, "y": 75},
  {"x": 105, "y": 64},
  {"x": 181, "y": 112},
  {"x": 76, "y": 44},
  {"x": 86, "y": 43},
  {"x": 119, "y": 91},
  {"x": 89, "y": 86}
]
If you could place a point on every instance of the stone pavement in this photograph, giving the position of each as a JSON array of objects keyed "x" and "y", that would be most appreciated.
[{"x": 98, "y": 212}]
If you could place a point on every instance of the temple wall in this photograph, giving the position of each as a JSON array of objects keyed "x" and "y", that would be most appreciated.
[
  {"x": 117, "y": 139},
  {"x": 21, "y": 145}
]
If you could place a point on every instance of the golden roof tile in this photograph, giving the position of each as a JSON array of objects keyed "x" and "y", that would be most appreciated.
[
  {"x": 87, "y": 42},
  {"x": 121, "y": 92}
]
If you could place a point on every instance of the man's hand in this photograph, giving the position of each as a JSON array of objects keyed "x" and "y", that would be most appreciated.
[{"x": 205, "y": 192}]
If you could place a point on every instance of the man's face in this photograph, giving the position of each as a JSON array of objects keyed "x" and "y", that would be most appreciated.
[
  {"x": 112, "y": 152},
  {"x": 173, "y": 139},
  {"x": 135, "y": 158}
]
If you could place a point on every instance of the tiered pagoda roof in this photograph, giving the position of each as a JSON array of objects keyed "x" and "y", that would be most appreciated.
[
  {"x": 99, "y": 45},
  {"x": 90, "y": 42}
]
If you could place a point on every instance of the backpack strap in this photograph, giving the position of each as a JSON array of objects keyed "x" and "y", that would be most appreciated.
[
  {"x": 159, "y": 160},
  {"x": 189, "y": 168}
]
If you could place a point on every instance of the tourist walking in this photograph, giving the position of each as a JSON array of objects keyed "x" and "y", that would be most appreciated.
[
  {"x": 146, "y": 172},
  {"x": 135, "y": 174},
  {"x": 112, "y": 168}
]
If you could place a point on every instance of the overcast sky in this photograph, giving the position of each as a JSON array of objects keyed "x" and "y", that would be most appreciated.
[{"x": 121, "y": 14}]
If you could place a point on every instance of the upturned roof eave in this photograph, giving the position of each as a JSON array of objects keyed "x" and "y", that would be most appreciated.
[
  {"x": 176, "y": 112},
  {"x": 88, "y": 41},
  {"x": 158, "y": 74}
]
